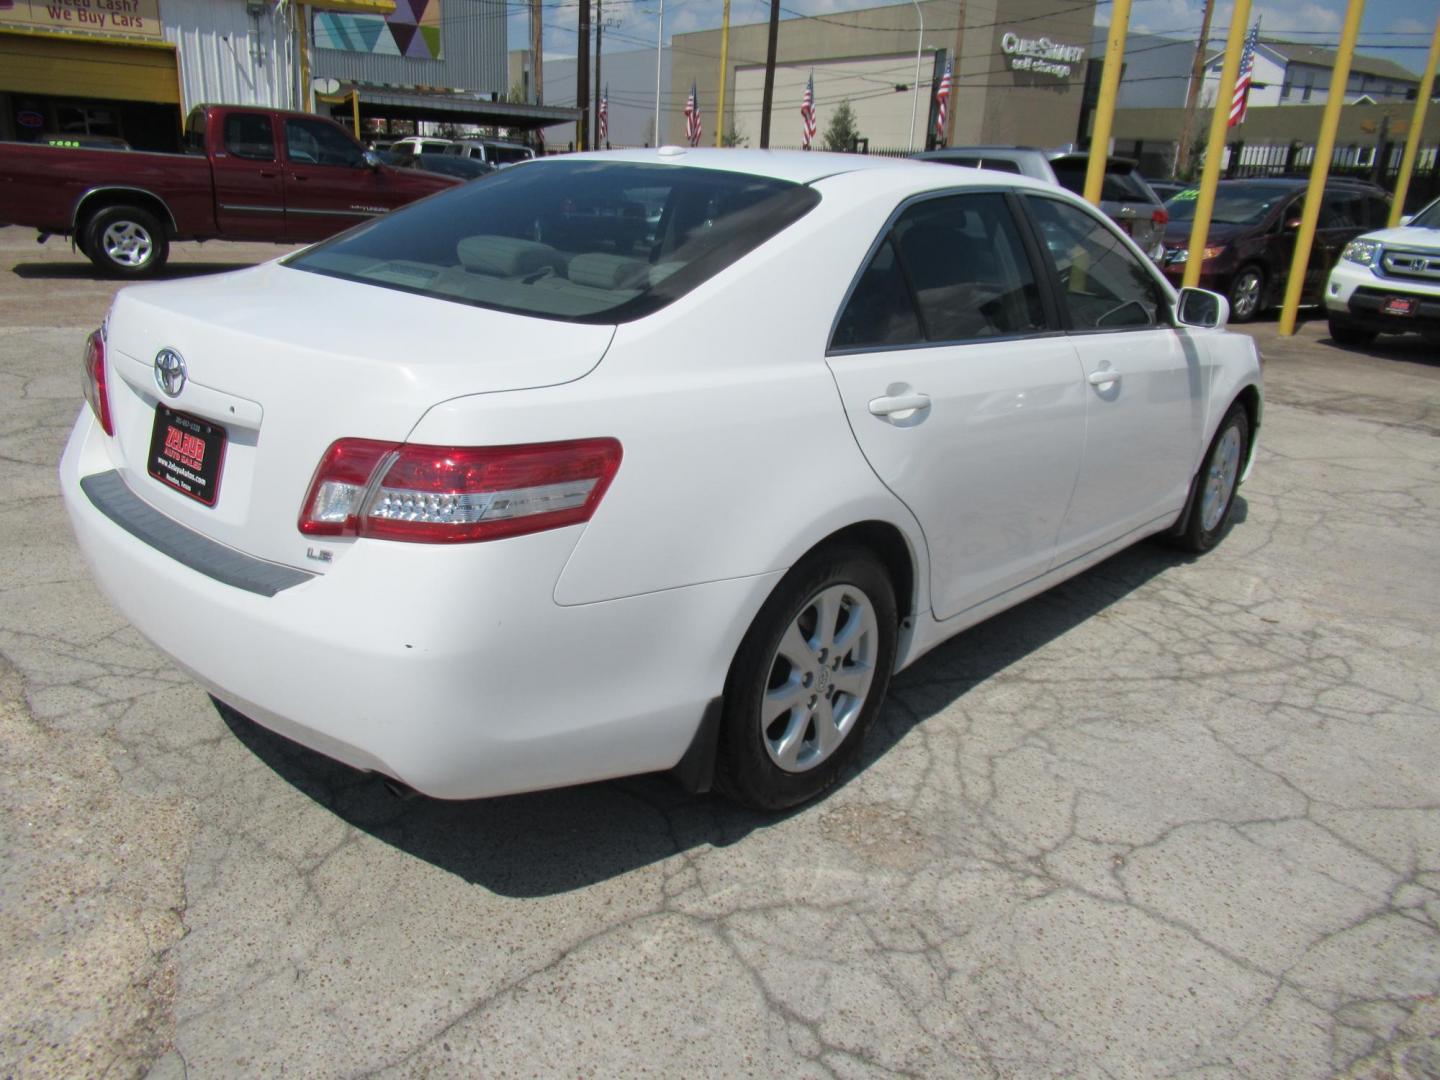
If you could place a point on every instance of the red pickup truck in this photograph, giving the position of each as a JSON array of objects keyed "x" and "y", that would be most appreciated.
[{"x": 248, "y": 174}]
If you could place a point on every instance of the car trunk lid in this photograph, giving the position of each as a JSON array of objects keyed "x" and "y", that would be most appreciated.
[{"x": 278, "y": 364}]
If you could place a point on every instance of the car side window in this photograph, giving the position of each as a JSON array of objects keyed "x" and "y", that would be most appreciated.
[
  {"x": 880, "y": 313},
  {"x": 1102, "y": 282},
  {"x": 314, "y": 142},
  {"x": 249, "y": 136},
  {"x": 969, "y": 269}
]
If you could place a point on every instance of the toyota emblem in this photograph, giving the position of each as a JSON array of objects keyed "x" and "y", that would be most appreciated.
[{"x": 170, "y": 372}]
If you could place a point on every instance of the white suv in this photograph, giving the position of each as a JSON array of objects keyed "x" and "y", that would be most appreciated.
[{"x": 1388, "y": 282}]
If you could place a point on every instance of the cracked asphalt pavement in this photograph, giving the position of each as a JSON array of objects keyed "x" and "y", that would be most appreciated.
[{"x": 1175, "y": 817}]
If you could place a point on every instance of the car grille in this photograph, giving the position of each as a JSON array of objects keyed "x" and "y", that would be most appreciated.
[{"x": 1414, "y": 265}]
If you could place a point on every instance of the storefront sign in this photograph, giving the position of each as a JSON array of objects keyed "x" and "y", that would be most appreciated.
[
  {"x": 113, "y": 18},
  {"x": 1040, "y": 55}
]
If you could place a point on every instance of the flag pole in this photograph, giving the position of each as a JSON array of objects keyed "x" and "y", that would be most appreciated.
[
  {"x": 919, "y": 48},
  {"x": 724, "y": 62},
  {"x": 1215, "y": 145},
  {"x": 659, "y": 51}
]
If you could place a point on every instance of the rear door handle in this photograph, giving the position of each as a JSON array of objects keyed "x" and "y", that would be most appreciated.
[
  {"x": 899, "y": 403},
  {"x": 1103, "y": 376}
]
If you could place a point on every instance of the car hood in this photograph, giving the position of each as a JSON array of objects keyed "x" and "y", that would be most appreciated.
[{"x": 1408, "y": 236}]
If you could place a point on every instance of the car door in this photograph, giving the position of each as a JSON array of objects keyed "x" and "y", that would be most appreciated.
[
  {"x": 962, "y": 393},
  {"x": 1144, "y": 381},
  {"x": 328, "y": 185},
  {"x": 249, "y": 191}
]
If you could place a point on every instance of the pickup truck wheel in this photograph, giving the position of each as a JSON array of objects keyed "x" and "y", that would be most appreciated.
[{"x": 125, "y": 241}]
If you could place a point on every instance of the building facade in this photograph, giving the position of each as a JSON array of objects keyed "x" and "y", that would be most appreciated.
[
  {"x": 630, "y": 79},
  {"x": 1019, "y": 79},
  {"x": 1287, "y": 73}
]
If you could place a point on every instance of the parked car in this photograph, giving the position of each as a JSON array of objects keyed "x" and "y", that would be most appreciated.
[
  {"x": 1388, "y": 282},
  {"x": 1164, "y": 189},
  {"x": 492, "y": 151},
  {"x": 580, "y": 498},
  {"x": 1124, "y": 193},
  {"x": 249, "y": 174},
  {"x": 463, "y": 168},
  {"x": 417, "y": 146},
  {"x": 1251, "y": 241}
]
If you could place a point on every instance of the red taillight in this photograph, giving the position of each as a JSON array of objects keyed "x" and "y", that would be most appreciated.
[
  {"x": 1161, "y": 216},
  {"x": 456, "y": 494},
  {"x": 93, "y": 381}
]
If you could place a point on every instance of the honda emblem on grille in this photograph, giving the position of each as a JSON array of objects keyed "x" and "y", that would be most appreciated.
[{"x": 170, "y": 372}]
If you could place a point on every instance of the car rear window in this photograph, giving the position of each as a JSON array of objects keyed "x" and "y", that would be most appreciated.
[
  {"x": 1121, "y": 184},
  {"x": 581, "y": 241}
]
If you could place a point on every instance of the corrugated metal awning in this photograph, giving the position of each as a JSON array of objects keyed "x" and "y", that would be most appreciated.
[{"x": 378, "y": 103}]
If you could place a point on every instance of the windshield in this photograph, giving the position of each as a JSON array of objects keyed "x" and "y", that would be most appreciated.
[
  {"x": 584, "y": 241},
  {"x": 1429, "y": 218},
  {"x": 1235, "y": 204}
]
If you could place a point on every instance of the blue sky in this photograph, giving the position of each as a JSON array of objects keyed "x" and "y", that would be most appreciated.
[{"x": 1397, "y": 29}]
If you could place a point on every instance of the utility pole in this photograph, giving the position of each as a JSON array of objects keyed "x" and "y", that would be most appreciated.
[
  {"x": 582, "y": 76},
  {"x": 769, "y": 75},
  {"x": 537, "y": 92},
  {"x": 599, "y": 33},
  {"x": 724, "y": 63},
  {"x": 1192, "y": 95}
]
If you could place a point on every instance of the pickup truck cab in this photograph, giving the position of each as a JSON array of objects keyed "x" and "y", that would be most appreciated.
[{"x": 247, "y": 174}]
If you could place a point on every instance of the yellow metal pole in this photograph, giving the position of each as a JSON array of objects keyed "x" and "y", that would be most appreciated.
[
  {"x": 724, "y": 61},
  {"x": 1412, "y": 141},
  {"x": 1215, "y": 144},
  {"x": 1105, "y": 110},
  {"x": 355, "y": 112},
  {"x": 1320, "y": 167}
]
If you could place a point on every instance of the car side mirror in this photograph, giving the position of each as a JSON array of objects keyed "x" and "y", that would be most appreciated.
[
  {"x": 1405, "y": 219},
  {"x": 1202, "y": 308},
  {"x": 372, "y": 159}
]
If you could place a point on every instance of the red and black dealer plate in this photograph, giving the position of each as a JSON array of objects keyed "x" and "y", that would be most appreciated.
[
  {"x": 1400, "y": 305},
  {"x": 186, "y": 453}
]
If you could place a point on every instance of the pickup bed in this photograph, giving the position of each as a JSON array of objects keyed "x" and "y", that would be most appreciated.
[{"x": 248, "y": 174}]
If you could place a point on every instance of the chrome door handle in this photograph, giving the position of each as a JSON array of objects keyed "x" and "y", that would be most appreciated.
[
  {"x": 1103, "y": 376},
  {"x": 888, "y": 406}
]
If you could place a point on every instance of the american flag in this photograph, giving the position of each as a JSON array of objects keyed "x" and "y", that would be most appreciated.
[
  {"x": 1240, "y": 100},
  {"x": 807, "y": 112},
  {"x": 604, "y": 113},
  {"x": 692, "y": 117},
  {"x": 942, "y": 100}
]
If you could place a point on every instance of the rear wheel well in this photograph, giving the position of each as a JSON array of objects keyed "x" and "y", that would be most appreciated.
[
  {"x": 888, "y": 545},
  {"x": 96, "y": 201}
]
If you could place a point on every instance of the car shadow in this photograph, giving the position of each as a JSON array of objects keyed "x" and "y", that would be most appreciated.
[
  {"x": 1406, "y": 348},
  {"x": 553, "y": 842},
  {"x": 85, "y": 271}
]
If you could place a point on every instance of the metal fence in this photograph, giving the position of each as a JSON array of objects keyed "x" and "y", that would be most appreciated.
[{"x": 1377, "y": 164}]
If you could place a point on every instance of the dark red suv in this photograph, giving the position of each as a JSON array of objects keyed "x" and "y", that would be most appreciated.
[{"x": 1252, "y": 237}]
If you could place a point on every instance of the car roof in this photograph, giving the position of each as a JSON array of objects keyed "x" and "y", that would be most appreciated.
[{"x": 800, "y": 166}]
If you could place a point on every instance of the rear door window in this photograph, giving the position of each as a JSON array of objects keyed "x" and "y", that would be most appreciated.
[
  {"x": 250, "y": 136},
  {"x": 951, "y": 269}
]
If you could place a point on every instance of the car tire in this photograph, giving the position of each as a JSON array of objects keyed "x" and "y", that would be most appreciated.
[
  {"x": 1344, "y": 333},
  {"x": 125, "y": 241},
  {"x": 797, "y": 701},
  {"x": 1246, "y": 293},
  {"x": 1212, "y": 493}
]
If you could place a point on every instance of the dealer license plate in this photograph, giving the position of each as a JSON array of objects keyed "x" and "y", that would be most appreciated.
[
  {"x": 186, "y": 453},
  {"x": 1400, "y": 305}
]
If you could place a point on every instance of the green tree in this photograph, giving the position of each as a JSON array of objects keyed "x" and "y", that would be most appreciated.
[{"x": 841, "y": 132}]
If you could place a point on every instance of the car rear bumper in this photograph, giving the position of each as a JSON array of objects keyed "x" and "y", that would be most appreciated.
[{"x": 447, "y": 667}]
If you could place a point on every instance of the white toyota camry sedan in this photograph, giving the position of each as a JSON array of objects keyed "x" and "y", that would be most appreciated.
[{"x": 642, "y": 461}]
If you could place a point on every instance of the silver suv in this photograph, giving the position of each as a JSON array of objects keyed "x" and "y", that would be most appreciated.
[{"x": 1124, "y": 195}]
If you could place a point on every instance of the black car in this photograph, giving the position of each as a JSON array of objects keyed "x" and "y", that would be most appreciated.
[{"x": 1252, "y": 237}]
